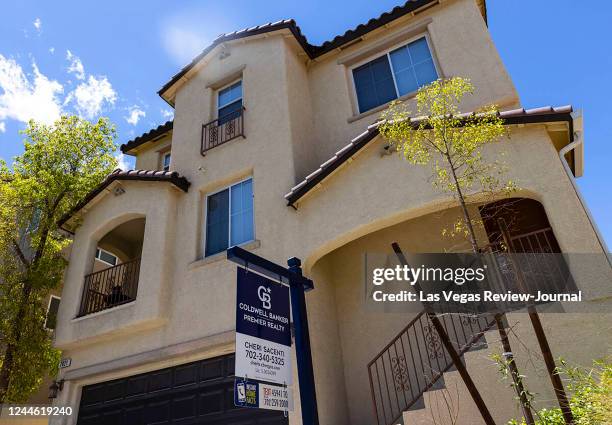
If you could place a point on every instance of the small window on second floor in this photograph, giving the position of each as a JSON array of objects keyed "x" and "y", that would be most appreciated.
[
  {"x": 52, "y": 309},
  {"x": 395, "y": 74},
  {"x": 229, "y": 217},
  {"x": 166, "y": 161},
  {"x": 229, "y": 102},
  {"x": 106, "y": 257}
]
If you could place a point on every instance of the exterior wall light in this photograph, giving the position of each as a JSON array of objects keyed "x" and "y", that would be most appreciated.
[{"x": 55, "y": 388}]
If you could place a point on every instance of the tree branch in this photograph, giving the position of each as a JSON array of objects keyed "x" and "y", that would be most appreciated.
[{"x": 20, "y": 254}]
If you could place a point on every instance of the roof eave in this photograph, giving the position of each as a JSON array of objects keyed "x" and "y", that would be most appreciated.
[
  {"x": 513, "y": 117},
  {"x": 133, "y": 175},
  {"x": 150, "y": 136},
  {"x": 313, "y": 51}
]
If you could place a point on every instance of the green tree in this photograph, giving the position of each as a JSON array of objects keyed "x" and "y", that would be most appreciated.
[
  {"x": 591, "y": 401},
  {"x": 60, "y": 164},
  {"x": 450, "y": 143}
]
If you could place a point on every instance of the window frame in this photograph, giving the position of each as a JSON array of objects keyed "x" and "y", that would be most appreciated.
[
  {"x": 229, "y": 227},
  {"x": 107, "y": 252},
  {"x": 164, "y": 155},
  {"x": 386, "y": 52},
  {"x": 225, "y": 86},
  {"x": 47, "y": 312}
]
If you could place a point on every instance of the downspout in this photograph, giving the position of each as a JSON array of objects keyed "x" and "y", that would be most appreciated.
[{"x": 578, "y": 142}]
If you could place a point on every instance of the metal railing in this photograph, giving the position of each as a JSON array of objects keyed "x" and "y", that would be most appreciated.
[
  {"x": 222, "y": 130},
  {"x": 110, "y": 287},
  {"x": 416, "y": 358}
]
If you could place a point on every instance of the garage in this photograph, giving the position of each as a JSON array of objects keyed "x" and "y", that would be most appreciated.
[{"x": 200, "y": 393}]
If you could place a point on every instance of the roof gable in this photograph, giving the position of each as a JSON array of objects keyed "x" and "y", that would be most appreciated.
[
  {"x": 313, "y": 51},
  {"x": 141, "y": 175},
  {"x": 515, "y": 116}
]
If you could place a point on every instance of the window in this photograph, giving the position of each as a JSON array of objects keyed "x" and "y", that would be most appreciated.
[
  {"x": 106, "y": 257},
  {"x": 229, "y": 102},
  {"x": 398, "y": 72},
  {"x": 52, "y": 308},
  {"x": 229, "y": 217},
  {"x": 166, "y": 161}
]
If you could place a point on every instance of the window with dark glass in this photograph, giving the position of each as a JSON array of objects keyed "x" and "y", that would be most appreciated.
[
  {"x": 229, "y": 217},
  {"x": 106, "y": 257},
  {"x": 52, "y": 309},
  {"x": 395, "y": 74},
  {"x": 166, "y": 161},
  {"x": 229, "y": 102}
]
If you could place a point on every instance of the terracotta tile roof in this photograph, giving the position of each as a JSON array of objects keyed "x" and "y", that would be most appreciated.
[
  {"x": 311, "y": 50},
  {"x": 510, "y": 117},
  {"x": 142, "y": 175},
  {"x": 147, "y": 137}
]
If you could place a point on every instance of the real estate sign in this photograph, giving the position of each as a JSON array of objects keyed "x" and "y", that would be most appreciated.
[{"x": 263, "y": 336}]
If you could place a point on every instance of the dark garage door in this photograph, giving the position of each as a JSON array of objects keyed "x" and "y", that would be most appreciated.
[{"x": 195, "y": 393}]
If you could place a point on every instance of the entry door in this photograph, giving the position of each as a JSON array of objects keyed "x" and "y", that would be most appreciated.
[{"x": 199, "y": 393}]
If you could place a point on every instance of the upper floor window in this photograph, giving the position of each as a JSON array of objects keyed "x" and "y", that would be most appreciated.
[
  {"x": 398, "y": 72},
  {"x": 106, "y": 257},
  {"x": 52, "y": 309},
  {"x": 229, "y": 217},
  {"x": 166, "y": 161},
  {"x": 229, "y": 102}
]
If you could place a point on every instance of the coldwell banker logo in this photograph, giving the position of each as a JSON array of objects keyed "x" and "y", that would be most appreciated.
[{"x": 264, "y": 296}]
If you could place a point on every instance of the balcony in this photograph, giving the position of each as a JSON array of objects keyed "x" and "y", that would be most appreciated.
[
  {"x": 222, "y": 130},
  {"x": 110, "y": 287}
]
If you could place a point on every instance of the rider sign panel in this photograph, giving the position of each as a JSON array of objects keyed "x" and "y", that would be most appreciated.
[{"x": 263, "y": 337}]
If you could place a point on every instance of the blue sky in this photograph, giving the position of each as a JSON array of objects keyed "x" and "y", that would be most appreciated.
[{"x": 110, "y": 59}]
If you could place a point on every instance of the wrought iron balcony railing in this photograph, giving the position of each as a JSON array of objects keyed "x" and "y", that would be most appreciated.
[
  {"x": 222, "y": 130},
  {"x": 110, "y": 287}
]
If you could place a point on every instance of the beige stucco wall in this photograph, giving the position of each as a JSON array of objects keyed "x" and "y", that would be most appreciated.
[
  {"x": 297, "y": 113},
  {"x": 360, "y": 332},
  {"x": 363, "y": 333},
  {"x": 149, "y": 155},
  {"x": 462, "y": 46},
  {"x": 156, "y": 204}
]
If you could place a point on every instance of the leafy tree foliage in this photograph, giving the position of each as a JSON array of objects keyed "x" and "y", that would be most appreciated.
[
  {"x": 591, "y": 401},
  {"x": 451, "y": 143},
  {"x": 61, "y": 163}
]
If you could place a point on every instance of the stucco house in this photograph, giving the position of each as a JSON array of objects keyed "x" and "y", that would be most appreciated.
[{"x": 274, "y": 148}]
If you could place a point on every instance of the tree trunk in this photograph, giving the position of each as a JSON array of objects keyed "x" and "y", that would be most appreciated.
[{"x": 466, "y": 214}]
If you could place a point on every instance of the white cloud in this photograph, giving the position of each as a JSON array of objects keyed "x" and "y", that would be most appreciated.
[
  {"x": 76, "y": 66},
  {"x": 37, "y": 24},
  {"x": 167, "y": 114},
  {"x": 23, "y": 99},
  {"x": 52, "y": 50},
  {"x": 92, "y": 96},
  {"x": 183, "y": 35},
  {"x": 2, "y": 127},
  {"x": 135, "y": 115},
  {"x": 122, "y": 161},
  {"x": 183, "y": 44}
]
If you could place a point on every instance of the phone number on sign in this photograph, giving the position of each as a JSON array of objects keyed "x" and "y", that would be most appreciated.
[{"x": 265, "y": 357}]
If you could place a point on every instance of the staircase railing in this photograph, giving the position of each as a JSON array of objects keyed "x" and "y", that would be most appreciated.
[{"x": 416, "y": 358}]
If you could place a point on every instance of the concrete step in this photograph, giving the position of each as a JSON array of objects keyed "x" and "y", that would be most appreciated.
[{"x": 452, "y": 403}]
